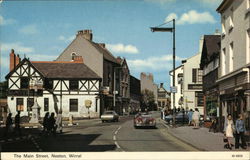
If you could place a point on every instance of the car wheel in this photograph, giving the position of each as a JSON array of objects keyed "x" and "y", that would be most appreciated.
[
  {"x": 135, "y": 127},
  {"x": 102, "y": 121}
]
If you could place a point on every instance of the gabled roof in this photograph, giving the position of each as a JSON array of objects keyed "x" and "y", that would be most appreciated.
[
  {"x": 106, "y": 54},
  {"x": 224, "y": 5},
  {"x": 65, "y": 70},
  {"x": 59, "y": 70},
  {"x": 211, "y": 49}
]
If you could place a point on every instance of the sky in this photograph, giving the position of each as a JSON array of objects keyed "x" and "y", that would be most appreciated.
[{"x": 42, "y": 29}]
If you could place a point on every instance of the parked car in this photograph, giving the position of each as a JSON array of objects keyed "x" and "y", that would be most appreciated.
[
  {"x": 110, "y": 116},
  {"x": 144, "y": 120},
  {"x": 179, "y": 118}
]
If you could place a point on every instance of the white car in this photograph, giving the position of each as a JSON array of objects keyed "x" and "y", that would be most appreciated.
[{"x": 110, "y": 116}]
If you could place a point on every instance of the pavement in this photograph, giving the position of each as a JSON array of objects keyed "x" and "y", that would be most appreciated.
[{"x": 200, "y": 138}]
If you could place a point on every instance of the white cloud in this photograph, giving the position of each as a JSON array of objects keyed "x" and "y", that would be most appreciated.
[
  {"x": 170, "y": 17},
  {"x": 192, "y": 17},
  {"x": 18, "y": 47},
  {"x": 153, "y": 63},
  {"x": 4, "y": 21},
  {"x": 66, "y": 39},
  {"x": 121, "y": 48},
  {"x": 29, "y": 29}
]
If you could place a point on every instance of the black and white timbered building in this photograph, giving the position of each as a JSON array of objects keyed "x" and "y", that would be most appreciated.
[{"x": 68, "y": 86}]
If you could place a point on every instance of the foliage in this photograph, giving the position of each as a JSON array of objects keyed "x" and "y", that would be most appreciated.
[{"x": 148, "y": 100}]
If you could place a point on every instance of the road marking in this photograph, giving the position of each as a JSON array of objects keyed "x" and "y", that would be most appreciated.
[
  {"x": 117, "y": 145},
  {"x": 114, "y": 138}
]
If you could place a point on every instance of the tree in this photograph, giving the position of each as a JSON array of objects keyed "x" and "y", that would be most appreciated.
[{"x": 148, "y": 100}]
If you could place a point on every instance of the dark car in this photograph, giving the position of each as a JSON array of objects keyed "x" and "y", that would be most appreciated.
[{"x": 179, "y": 118}]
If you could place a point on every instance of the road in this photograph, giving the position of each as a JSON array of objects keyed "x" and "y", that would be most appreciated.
[{"x": 93, "y": 135}]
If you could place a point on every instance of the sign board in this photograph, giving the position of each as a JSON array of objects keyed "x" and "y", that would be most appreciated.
[
  {"x": 115, "y": 92},
  {"x": 34, "y": 83},
  {"x": 173, "y": 89},
  {"x": 105, "y": 90},
  {"x": 195, "y": 86},
  {"x": 88, "y": 103}
]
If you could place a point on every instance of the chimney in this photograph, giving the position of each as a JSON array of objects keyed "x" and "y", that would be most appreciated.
[
  {"x": 217, "y": 32},
  {"x": 161, "y": 85},
  {"x": 78, "y": 59},
  {"x": 87, "y": 34},
  {"x": 102, "y": 45},
  {"x": 12, "y": 60},
  {"x": 18, "y": 59}
]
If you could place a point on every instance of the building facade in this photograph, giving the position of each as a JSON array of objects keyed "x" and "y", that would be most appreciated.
[
  {"x": 192, "y": 84},
  {"x": 209, "y": 64},
  {"x": 234, "y": 78},
  {"x": 97, "y": 57},
  {"x": 65, "y": 86},
  {"x": 177, "y": 101},
  {"x": 163, "y": 98},
  {"x": 147, "y": 82},
  {"x": 135, "y": 94}
]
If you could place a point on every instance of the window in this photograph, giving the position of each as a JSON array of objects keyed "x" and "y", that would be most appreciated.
[
  {"x": 73, "y": 85},
  {"x": 223, "y": 62},
  {"x": 96, "y": 104},
  {"x": 24, "y": 82},
  {"x": 73, "y": 56},
  {"x": 231, "y": 57},
  {"x": 46, "y": 104},
  {"x": 248, "y": 46},
  {"x": 73, "y": 105},
  {"x": 199, "y": 99},
  {"x": 30, "y": 103},
  {"x": 19, "y": 104},
  {"x": 197, "y": 75},
  {"x": 48, "y": 84}
]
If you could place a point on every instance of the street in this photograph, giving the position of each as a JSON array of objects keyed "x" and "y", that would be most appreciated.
[{"x": 93, "y": 135}]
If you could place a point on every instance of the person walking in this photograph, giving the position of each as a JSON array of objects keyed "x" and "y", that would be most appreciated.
[
  {"x": 17, "y": 124},
  {"x": 59, "y": 121},
  {"x": 196, "y": 118},
  {"x": 228, "y": 131},
  {"x": 8, "y": 125},
  {"x": 240, "y": 133},
  {"x": 190, "y": 115},
  {"x": 46, "y": 123},
  {"x": 51, "y": 124}
]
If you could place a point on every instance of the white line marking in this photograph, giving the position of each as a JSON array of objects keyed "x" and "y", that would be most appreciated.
[
  {"x": 117, "y": 145},
  {"x": 114, "y": 138},
  {"x": 116, "y": 132}
]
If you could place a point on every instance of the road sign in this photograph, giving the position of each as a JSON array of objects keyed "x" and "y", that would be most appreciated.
[{"x": 173, "y": 89}]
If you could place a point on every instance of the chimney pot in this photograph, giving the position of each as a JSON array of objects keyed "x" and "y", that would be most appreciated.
[
  {"x": 87, "y": 34},
  {"x": 12, "y": 59}
]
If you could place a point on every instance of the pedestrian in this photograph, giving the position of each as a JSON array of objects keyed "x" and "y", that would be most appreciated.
[
  {"x": 228, "y": 131},
  {"x": 8, "y": 123},
  {"x": 190, "y": 114},
  {"x": 240, "y": 132},
  {"x": 196, "y": 118},
  {"x": 17, "y": 123},
  {"x": 213, "y": 125},
  {"x": 46, "y": 123},
  {"x": 51, "y": 124},
  {"x": 59, "y": 121}
]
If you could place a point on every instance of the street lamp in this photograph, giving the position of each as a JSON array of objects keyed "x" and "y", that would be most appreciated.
[{"x": 169, "y": 29}]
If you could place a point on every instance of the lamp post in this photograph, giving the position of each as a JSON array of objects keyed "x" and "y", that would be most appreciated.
[{"x": 170, "y": 29}]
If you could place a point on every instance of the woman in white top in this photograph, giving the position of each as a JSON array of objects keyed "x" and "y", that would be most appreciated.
[
  {"x": 59, "y": 122},
  {"x": 229, "y": 130},
  {"x": 196, "y": 118}
]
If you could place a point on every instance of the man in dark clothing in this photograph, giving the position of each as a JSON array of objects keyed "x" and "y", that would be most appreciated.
[
  {"x": 51, "y": 124},
  {"x": 17, "y": 123},
  {"x": 46, "y": 123},
  {"x": 8, "y": 124}
]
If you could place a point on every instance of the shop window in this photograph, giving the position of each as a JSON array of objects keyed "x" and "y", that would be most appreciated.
[
  {"x": 46, "y": 104},
  {"x": 73, "y": 105},
  {"x": 30, "y": 103},
  {"x": 19, "y": 104}
]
